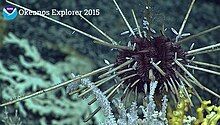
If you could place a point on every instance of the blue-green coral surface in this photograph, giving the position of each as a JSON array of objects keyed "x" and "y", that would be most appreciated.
[{"x": 34, "y": 73}]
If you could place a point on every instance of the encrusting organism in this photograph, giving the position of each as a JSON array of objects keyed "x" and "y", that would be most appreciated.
[{"x": 149, "y": 57}]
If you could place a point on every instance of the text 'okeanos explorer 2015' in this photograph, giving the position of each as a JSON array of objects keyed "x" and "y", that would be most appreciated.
[{"x": 61, "y": 13}]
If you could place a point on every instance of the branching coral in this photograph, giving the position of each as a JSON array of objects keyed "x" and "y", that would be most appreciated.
[
  {"x": 33, "y": 73},
  {"x": 11, "y": 120},
  {"x": 151, "y": 116},
  {"x": 129, "y": 116},
  {"x": 178, "y": 116},
  {"x": 206, "y": 114},
  {"x": 212, "y": 116},
  {"x": 102, "y": 100}
]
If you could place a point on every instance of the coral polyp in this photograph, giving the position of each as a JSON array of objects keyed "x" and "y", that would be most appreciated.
[{"x": 150, "y": 55}]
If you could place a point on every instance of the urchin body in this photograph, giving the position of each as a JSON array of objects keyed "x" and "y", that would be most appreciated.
[{"x": 159, "y": 50}]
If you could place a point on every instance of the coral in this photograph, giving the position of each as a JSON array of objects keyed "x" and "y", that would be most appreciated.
[
  {"x": 11, "y": 120},
  {"x": 206, "y": 114},
  {"x": 173, "y": 68},
  {"x": 151, "y": 115},
  {"x": 33, "y": 73},
  {"x": 177, "y": 116},
  {"x": 212, "y": 114},
  {"x": 102, "y": 101},
  {"x": 129, "y": 116}
]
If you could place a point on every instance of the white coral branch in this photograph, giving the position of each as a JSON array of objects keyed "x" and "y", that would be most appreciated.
[{"x": 102, "y": 100}]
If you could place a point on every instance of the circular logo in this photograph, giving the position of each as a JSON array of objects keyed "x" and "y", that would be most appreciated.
[{"x": 9, "y": 13}]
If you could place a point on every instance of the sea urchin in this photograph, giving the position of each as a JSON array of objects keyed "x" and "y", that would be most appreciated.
[
  {"x": 147, "y": 58},
  {"x": 158, "y": 52}
]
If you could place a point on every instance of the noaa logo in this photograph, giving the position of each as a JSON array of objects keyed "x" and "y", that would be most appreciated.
[{"x": 9, "y": 13}]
